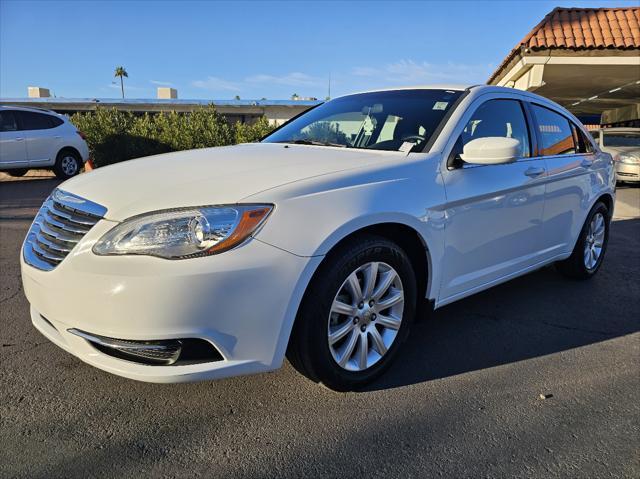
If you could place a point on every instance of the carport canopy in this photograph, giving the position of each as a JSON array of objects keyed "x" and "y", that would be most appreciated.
[{"x": 588, "y": 60}]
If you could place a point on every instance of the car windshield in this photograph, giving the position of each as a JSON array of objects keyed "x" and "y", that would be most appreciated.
[
  {"x": 398, "y": 120},
  {"x": 622, "y": 139}
]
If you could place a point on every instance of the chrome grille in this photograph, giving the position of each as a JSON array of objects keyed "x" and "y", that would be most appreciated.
[{"x": 60, "y": 224}]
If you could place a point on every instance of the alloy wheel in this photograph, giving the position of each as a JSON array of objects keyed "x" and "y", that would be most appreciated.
[
  {"x": 594, "y": 241},
  {"x": 365, "y": 316},
  {"x": 69, "y": 165}
]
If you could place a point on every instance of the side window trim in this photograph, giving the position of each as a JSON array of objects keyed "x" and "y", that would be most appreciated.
[
  {"x": 534, "y": 130},
  {"x": 533, "y": 140}
]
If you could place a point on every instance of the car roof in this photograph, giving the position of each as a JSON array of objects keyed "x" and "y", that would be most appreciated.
[
  {"x": 453, "y": 87},
  {"x": 27, "y": 108}
]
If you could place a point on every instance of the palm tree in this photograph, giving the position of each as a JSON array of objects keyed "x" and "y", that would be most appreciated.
[{"x": 121, "y": 72}]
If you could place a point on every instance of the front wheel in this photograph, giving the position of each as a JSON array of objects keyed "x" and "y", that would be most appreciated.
[
  {"x": 355, "y": 314},
  {"x": 591, "y": 246}
]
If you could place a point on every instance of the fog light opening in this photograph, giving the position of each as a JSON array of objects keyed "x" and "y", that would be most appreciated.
[{"x": 164, "y": 352}]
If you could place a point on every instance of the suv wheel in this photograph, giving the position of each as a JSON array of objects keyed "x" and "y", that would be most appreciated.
[
  {"x": 356, "y": 313},
  {"x": 18, "y": 172},
  {"x": 68, "y": 164}
]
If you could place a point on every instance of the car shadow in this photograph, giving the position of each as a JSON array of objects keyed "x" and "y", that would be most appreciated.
[{"x": 538, "y": 314}]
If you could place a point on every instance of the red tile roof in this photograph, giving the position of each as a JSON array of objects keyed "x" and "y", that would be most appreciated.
[{"x": 582, "y": 29}]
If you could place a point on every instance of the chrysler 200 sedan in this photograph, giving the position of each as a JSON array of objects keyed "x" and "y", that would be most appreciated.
[{"x": 319, "y": 242}]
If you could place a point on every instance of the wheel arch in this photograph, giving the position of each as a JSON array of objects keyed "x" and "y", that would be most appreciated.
[
  {"x": 71, "y": 149},
  {"x": 407, "y": 237},
  {"x": 608, "y": 201}
]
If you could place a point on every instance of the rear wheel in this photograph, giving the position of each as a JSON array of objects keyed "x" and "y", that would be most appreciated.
[
  {"x": 68, "y": 164},
  {"x": 591, "y": 246},
  {"x": 357, "y": 311}
]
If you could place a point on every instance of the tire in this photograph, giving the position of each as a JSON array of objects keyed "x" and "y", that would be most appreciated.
[
  {"x": 68, "y": 164},
  {"x": 318, "y": 323},
  {"x": 18, "y": 172},
  {"x": 580, "y": 265}
]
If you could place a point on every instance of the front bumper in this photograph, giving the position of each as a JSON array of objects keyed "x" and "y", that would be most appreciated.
[
  {"x": 627, "y": 172},
  {"x": 242, "y": 301}
]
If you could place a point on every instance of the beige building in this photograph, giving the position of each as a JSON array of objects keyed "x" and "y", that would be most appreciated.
[
  {"x": 166, "y": 93},
  {"x": 586, "y": 59},
  {"x": 244, "y": 111},
  {"x": 37, "y": 92}
]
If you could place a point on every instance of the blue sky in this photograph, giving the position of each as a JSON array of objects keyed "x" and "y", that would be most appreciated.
[{"x": 217, "y": 50}]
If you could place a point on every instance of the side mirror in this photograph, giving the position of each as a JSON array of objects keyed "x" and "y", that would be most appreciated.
[{"x": 491, "y": 150}]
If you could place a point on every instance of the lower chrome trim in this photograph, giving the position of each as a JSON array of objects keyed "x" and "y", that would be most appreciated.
[{"x": 156, "y": 352}]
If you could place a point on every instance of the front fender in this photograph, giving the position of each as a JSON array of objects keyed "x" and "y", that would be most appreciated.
[{"x": 311, "y": 218}]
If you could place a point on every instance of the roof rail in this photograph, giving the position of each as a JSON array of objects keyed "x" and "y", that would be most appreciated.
[{"x": 46, "y": 110}]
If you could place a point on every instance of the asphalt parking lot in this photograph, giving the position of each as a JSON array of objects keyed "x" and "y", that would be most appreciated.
[{"x": 463, "y": 399}]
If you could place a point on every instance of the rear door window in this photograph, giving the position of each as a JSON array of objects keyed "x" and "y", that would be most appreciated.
[
  {"x": 55, "y": 121},
  {"x": 29, "y": 120},
  {"x": 8, "y": 121},
  {"x": 555, "y": 132}
]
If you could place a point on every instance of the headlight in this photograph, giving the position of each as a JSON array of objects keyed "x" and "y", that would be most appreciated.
[
  {"x": 183, "y": 233},
  {"x": 628, "y": 159}
]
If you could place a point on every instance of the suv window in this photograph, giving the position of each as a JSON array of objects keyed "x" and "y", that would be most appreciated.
[
  {"x": 8, "y": 121},
  {"x": 556, "y": 133},
  {"x": 34, "y": 121},
  {"x": 55, "y": 121},
  {"x": 503, "y": 118}
]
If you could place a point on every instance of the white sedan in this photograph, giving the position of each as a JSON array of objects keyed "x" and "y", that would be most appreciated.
[{"x": 319, "y": 242}]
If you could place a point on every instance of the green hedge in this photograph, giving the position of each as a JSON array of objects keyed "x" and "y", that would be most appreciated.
[{"x": 115, "y": 136}]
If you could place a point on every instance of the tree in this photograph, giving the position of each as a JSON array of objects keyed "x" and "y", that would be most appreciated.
[
  {"x": 121, "y": 72},
  {"x": 237, "y": 97}
]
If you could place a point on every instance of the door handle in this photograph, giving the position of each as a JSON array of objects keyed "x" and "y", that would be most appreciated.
[
  {"x": 19, "y": 139},
  {"x": 533, "y": 171}
]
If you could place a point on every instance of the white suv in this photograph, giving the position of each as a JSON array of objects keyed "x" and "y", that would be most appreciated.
[{"x": 33, "y": 138}]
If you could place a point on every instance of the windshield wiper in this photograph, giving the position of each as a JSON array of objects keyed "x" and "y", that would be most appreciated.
[{"x": 314, "y": 143}]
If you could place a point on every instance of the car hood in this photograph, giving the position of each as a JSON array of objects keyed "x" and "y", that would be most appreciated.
[
  {"x": 211, "y": 176},
  {"x": 615, "y": 150}
]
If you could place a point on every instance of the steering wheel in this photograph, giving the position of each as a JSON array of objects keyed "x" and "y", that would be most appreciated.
[{"x": 417, "y": 138}]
